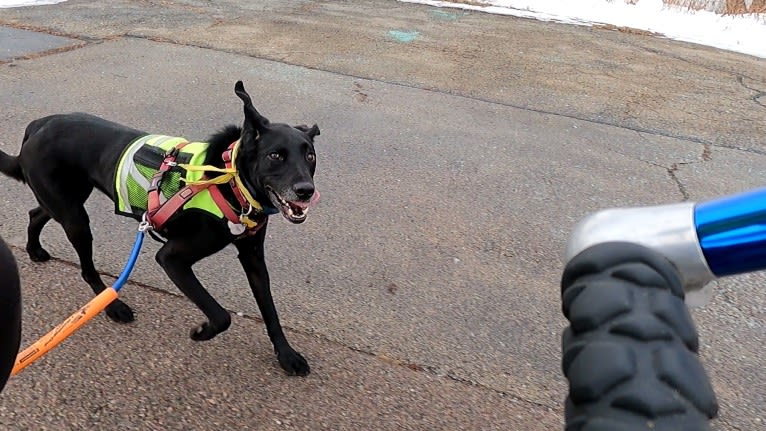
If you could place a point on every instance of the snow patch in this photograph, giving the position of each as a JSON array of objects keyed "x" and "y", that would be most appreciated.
[{"x": 739, "y": 33}]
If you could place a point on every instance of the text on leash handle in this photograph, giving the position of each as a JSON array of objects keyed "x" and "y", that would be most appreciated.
[{"x": 76, "y": 320}]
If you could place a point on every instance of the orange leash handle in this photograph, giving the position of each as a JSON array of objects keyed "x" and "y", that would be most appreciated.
[{"x": 64, "y": 329}]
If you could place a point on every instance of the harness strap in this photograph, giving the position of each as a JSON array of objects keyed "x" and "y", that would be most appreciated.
[
  {"x": 224, "y": 206},
  {"x": 233, "y": 183},
  {"x": 161, "y": 215},
  {"x": 251, "y": 226},
  {"x": 154, "y": 204}
]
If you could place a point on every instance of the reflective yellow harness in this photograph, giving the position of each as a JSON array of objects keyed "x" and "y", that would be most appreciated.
[{"x": 153, "y": 191}]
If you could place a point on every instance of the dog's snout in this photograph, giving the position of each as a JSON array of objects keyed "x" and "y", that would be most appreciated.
[{"x": 304, "y": 190}]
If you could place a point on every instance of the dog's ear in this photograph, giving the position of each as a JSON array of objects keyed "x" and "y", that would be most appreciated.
[
  {"x": 252, "y": 117},
  {"x": 311, "y": 131}
]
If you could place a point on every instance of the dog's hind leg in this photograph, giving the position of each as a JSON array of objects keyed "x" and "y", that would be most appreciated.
[
  {"x": 38, "y": 217},
  {"x": 77, "y": 228},
  {"x": 63, "y": 200}
]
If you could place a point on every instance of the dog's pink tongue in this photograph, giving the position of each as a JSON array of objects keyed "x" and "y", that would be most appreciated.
[{"x": 310, "y": 204}]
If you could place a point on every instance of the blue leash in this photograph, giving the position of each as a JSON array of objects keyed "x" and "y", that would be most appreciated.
[{"x": 131, "y": 261}]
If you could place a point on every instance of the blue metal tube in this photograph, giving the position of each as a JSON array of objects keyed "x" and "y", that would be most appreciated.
[
  {"x": 732, "y": 232},
  {"x": 131, "y": 262}
]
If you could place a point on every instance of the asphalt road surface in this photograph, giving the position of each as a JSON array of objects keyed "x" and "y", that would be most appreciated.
[{"x": 424, "y": 288}]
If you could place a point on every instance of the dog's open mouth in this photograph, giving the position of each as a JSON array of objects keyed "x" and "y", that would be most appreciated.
[{"x": 294, "y": 211}]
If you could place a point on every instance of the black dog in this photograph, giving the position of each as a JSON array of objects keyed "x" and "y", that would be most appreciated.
[
  {"x": 63, "y": 157},
  {"x": 10, "y": 313}
]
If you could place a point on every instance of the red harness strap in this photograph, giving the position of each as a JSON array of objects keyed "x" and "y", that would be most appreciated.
[
  {"x": 159, "y": 216},
  {"x": 223, "y": 205},
  {"x": 153, "y": 197}
]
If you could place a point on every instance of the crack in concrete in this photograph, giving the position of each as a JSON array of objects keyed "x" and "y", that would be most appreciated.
[
  {"x": 435, "y": 372},
  {"x": 681, "y": 187},
  {"x": 663, "y": 53},
  {"x": 45, "y": 53},
  {"x": 46, "y": 30},
  {"x": 78, "y": 42},
  {"x": 707, "y": 152},
  {"x": 706, "y": 156},
  {"x": 671, "y": 171},
  {"x": 759, "y": 94}
]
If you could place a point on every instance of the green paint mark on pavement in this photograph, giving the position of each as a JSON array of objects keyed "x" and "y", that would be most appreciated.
[{"x": 404, "y": 36}]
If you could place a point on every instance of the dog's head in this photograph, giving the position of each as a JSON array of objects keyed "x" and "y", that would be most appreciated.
[{"x": 278, "y": 160}]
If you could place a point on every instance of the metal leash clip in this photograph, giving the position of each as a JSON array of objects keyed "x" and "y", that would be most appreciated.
[{"x": 144, "y": 225}]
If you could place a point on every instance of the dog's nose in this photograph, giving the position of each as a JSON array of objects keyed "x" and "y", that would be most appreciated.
[{"x": 304, "y": 190}]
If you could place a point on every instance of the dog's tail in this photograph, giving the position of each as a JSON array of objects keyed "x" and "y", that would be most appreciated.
[{"x": 9, "y": 165}]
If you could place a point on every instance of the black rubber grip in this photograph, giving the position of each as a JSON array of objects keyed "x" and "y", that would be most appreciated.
[
  {"x": 630, "y": 350},
  {"x": 10, "y": 313}
]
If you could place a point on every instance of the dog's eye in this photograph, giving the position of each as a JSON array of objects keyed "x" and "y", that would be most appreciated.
[
  {"x": 311, "y": 157},
  {"x": 275, "y": 156}
]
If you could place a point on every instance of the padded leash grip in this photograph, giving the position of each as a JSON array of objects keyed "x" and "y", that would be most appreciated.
[{"x": 64, "y": 329}]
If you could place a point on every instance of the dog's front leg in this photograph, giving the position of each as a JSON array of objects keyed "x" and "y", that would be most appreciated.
[
  {"x": 252, "y": 259},
  {"x": 176, "y": 257}
]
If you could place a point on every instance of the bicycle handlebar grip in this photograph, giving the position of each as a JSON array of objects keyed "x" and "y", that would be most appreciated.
[{"x": 630, "y": 351}]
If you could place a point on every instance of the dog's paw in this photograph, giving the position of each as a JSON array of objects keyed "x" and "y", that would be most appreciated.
[
  {"x": 38, "y": 254},
  {"x": 119, "y": 312},
  {"x": 203, "y": 332},
  {"x": 293, "y": 363}
]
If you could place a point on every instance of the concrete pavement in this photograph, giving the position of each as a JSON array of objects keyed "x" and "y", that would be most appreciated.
[
  {"x": 150, "y": 376},
  {"x": 451, "y": 172}
]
